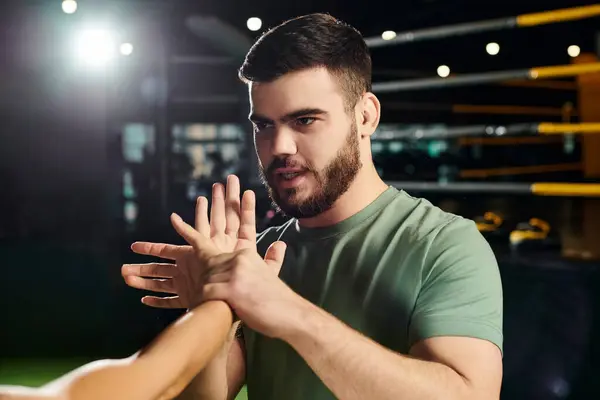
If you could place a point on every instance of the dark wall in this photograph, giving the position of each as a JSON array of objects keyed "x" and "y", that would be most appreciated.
[
  {"x": 58, "y": 278},
  {"x": 53, "y": 130}
]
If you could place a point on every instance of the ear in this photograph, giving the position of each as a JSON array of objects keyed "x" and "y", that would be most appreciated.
[{"x": 369, "y": 114}]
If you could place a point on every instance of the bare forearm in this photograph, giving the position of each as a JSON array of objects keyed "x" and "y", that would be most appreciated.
[
  {"x": 161, "y": 371},
  {"x": 8, "y": 392},
  {"x": 166, "y": 366},
  {"x": 354, "y": 367},
  {"x": 211, "y": 382},
  {"x": 184, "y": 354}
]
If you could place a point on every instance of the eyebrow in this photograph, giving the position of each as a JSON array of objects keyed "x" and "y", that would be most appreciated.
[{"x": 289, "y": 116}]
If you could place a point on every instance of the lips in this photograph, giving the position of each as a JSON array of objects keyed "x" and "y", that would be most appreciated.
[
  {"x": 288, "y": 170},
  {"x": 286, "y": 174},
  {"x": 289, "y": 174},
  {"x": 289, "y": 178}
]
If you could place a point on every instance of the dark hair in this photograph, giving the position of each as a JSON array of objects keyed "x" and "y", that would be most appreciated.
[{"x": 312, "y": 41}]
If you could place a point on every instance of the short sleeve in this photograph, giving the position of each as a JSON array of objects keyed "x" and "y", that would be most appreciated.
[{"x": 461, "y": 291}]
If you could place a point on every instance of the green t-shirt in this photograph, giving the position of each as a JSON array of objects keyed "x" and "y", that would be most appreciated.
[{"x": 399, "y": 271}]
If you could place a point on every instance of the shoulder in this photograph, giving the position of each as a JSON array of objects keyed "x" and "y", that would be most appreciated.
[
  {"x": 456, "y": 251},
  {"x": 458, "y": 237},
  {"x": 423, "y": 222},
  {"x": 460, "y": 290},
  {"x": 428, "y": 218},
  {"x": 441, "y": 238}
]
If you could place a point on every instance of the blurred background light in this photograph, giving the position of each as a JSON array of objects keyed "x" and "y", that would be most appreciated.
[
  {"x": 69, "y": 6},
  {"x": 574, "y": 51},
  {"x": 254, "y": 24},
  {"x": 388, "y": 35},
  {"x": 443, "y": 71},
  {"x": 492, "y": 48},
  {"x": 95, "y": 47},
  {"x": 126, "y": 49}
]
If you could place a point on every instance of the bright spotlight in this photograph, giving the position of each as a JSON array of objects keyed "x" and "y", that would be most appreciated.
[
  {"x": 95, "y": 47},
  {"x": 254, "y": 23},
  {"x": 69, "y": 6},
  {"x": 492, "y": 49},
  {"x": 126, "y": 49},
  {"x": 388, "y": 35},
  {"x": 574, "y": 51},
  {"x": 443, "y": 71}
]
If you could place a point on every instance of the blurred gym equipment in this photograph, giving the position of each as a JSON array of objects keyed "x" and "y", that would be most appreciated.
[
  {"x": 490, "y": 222},
  {"x": 533, "y": 235},
  {"x": 491, "y": 227},
  {"x": 544, "y": 128},
  {"x": 536, "y": 189},
  {"x": 520, "y": 21},
  {"x": 559, "y": 71}
]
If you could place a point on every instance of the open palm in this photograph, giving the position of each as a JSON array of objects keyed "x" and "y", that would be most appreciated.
[{"x": 232, "y": 227}]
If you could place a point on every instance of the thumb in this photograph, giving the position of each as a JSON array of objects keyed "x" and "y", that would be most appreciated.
[{"x": 275, "y": 255}]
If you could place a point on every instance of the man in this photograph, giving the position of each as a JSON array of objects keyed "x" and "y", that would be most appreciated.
[{"x": 381, "y": 295}]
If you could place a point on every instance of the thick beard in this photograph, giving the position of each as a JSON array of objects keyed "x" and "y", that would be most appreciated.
[{"x": 332, "y": 182}]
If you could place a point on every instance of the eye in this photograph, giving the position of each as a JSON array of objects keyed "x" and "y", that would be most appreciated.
[
  {"x": 305, "y": 120},
  {"x": 260, "y": 126}
]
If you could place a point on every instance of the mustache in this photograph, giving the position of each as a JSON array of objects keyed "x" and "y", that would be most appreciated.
[{"x": 285, "y": 163}]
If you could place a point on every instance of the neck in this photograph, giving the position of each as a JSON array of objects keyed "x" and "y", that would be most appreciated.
[{"x": 367, "y": 186}]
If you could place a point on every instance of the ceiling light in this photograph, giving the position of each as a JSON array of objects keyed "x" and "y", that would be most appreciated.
[
  {"x": 69, "y": 6},
  {"x": 443, "y": 71},
  {"x": 388, "y": 35},
  {"x": 574, "y": 51},
  {"x": 492, "y": 48},
  {"x": 254, "y": 23}
]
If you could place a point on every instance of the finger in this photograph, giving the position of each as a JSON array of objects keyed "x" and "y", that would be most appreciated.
[
  {"x": 192, "y": 236},
  {"x": 153, "y": 285},
  {"x": 217, "y": 210},
  {"x": 232, "y": 206},
  {"x": 155, "y": 270},
  {"x": 275, "y": 255},
  {"x": 202, "y": 224},
  {"x": 247, "y": 230},
  {"x": 215, "y": 291},
  {"x": 162, "y": 250},
  {"x": 163, "y": 302}
]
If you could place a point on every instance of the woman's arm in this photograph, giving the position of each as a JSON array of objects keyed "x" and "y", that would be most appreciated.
[{"x": 160, "y": 371}]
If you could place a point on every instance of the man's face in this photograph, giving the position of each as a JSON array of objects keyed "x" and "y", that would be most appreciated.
[{"x": 306, "y": 141}]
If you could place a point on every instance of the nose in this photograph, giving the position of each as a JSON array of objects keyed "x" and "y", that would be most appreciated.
[{"x": 283, "y": 142}]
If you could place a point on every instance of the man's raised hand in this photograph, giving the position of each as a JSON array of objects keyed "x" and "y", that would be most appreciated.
[{"x": 232, "y": 227}]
